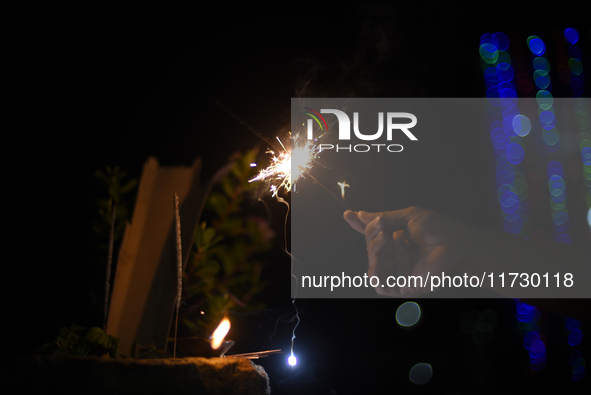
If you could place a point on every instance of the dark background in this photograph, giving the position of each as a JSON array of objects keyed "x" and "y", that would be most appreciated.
[{"x": 103, "y": 85}]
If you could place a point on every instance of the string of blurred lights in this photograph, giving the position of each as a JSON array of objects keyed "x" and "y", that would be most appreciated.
[
  {"x": 551, "y": 138},
  {"x": 501, "y": 93},
  {"x": 507, "y": 129},
  {"x": 570, "y": 72}
]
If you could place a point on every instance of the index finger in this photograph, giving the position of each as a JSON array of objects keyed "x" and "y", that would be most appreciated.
[{"x": 389, "y": 220}]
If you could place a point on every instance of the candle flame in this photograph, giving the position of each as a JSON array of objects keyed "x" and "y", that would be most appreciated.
[{"x": 220, "y": 333}]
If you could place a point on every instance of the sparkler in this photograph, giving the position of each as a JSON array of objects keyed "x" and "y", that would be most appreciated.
[
  {"x": 285, "y": 173},
  {"x": 291, "y": 165},
  {"x": 287, "y": 167}
]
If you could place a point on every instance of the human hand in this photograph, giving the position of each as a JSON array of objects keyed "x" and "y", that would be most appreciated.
[{"x": 410, "y": 242}]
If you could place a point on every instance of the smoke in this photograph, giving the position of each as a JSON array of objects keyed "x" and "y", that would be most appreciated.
[{"x": 380, "y": 60}]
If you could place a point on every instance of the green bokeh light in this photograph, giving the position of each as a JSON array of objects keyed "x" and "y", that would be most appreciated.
[
  {"x": 489, "y": 53},
  {"x": 408, "y": 314},
  {"x": 540, "y": 63},
  {"x": 576, "y": 66},
  {"x": 544, "y": 99}
]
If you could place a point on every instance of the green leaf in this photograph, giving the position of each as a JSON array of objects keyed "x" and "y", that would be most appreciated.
[
  {"x": 231, "y": 224},
  {"x": 114, "y": 346},
  {"x": 216, "y": 240},
  {"x": 76, "y": 328},
  {"x": 73, "y": 338},
  {"x": 218, "y": 202},
  {"x": 208, "y": 235},
  {"x": 101, "y": 176},
  {"x": 228, "y": 186},
  {"x": 97, "y": 337},
  {"x": 129, "y": 186}
]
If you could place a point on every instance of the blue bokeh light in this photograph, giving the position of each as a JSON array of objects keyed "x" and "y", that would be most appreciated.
[
  {"x": 499, "y": 138},
  {"x": 575, "y": 52},
  {"x": 578, "y": 373},
  {"x": 515, "y": 153},
  {"x": 554, "y": 168},
  {"x": 571, "y": 35},
  {"x": 500, "y": 40},
  {"x": 509, "y": 202},
  {"x": 571, "y": 323},
  {"x": 556, "y": 185},
  {"x": 564, "y": 238},
  {"x": 575, "y": 337},
  {"x": 536, "y": 45}
]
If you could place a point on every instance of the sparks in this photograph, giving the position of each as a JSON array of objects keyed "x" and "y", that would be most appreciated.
[{"x": 283, "y": 173}]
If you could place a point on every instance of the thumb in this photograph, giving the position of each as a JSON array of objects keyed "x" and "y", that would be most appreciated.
[
  {"x": 366, "y": 217},
  {"x": 354, "y": 221}
]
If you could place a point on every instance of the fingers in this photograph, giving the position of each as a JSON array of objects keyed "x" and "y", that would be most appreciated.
[
  {"x": 388, "y": 220},
  {"x": 354, "y": 221},
  {"x": 389, "y": 257},
  {"x": 382, "y": 263},
  {"x": 366, "y": 217},
  {"x": 372, "y": 230}
]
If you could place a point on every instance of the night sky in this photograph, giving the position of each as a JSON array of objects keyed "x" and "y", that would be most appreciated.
[{"x": 102, "y": 86}]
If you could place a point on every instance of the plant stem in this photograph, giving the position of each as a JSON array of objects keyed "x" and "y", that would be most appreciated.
[
  {"x": 109, "y": 263},
  {"x": 179, "y": 259}
]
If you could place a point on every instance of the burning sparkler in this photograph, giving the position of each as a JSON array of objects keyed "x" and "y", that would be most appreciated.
[
  {"x": 290, "y": 165},
  {"x": 287, "y": 167}
]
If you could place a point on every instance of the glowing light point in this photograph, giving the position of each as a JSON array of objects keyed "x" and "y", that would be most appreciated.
[
  {"x": 253, "y": 165},
  {"x": 287, "y": 167},
  {"x": 343, "y": 185},
  {"x": 292, "y": 360}
]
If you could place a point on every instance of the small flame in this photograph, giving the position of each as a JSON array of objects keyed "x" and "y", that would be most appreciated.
[
  {"x": 343, "y": 185},
  {"x": 220, "y": 333}
]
